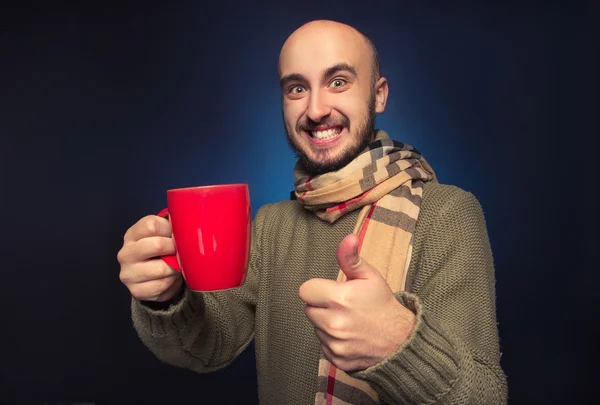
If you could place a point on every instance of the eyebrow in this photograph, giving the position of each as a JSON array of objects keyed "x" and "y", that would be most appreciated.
[{"x": 330, "y": 71}]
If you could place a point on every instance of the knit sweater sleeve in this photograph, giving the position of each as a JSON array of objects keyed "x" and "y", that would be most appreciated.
[
  {"x": 203, "y": 331},
  {"x": 452, "y": 355}
]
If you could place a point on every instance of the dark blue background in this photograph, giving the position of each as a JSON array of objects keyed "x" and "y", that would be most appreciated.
[{"x": 105, "y": 107}]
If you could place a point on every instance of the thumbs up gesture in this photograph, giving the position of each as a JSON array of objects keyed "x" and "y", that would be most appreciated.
[{"x": 359, "y": 322}]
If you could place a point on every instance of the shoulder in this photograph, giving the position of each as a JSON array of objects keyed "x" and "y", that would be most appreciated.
[
  {"x": 440, "y": 199},
  {"x": 436, "y": 193},
  {"x": 447, "y": 210},
  {"x": 280, "y": 215}
]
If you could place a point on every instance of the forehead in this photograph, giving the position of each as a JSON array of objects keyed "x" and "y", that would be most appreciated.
[{"x": 309, "y": 52}]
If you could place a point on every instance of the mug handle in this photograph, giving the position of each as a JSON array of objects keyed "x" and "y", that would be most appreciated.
[{"x": 171, "y": 260}]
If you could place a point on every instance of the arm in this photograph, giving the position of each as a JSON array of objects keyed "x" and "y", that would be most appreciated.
[
  {"x": 452, "y": 355},
  {"x": 202, "y": 331}
]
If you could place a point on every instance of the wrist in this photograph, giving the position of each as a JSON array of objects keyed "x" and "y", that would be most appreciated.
[{"x": 404, "y": 324}]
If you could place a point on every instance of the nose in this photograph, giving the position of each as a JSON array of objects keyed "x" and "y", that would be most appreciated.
[{"x": 318, "y": 108}]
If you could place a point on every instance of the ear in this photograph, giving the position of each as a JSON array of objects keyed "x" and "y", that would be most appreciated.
[{"x": 381, "y": 95}]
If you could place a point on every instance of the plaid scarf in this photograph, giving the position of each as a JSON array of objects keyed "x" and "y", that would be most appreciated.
[{"x": 386, "y": 182}]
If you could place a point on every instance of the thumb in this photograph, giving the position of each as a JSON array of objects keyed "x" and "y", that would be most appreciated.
[{"x": 353, "y": 266}]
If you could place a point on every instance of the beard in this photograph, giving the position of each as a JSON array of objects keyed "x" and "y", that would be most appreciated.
[{"x": 364, "y": 132}]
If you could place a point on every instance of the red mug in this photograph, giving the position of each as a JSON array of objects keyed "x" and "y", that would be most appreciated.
[{"x": 211, "y": 230}]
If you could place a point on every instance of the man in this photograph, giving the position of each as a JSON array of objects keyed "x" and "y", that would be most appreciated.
[{"x": 375, "y": 286}]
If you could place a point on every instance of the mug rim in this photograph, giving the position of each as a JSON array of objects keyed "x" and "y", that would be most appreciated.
[{"x": 227, "y": 185}]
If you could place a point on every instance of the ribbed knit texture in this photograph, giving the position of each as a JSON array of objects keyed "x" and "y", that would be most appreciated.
[{"x": 452, "y": 356}]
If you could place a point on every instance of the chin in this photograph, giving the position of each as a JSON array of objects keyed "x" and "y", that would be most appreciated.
[{"x": 316, "y": 166}]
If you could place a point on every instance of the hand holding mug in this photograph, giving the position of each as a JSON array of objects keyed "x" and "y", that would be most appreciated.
[
  {"x": 147, "y": 277},
  {"x": 206, "y": 238}
]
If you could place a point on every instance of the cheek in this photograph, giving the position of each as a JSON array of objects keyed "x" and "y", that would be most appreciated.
[
  {"x": 291, "y": 115},
  {"x": 353, "y": 106},
  {"x": 288, "y": 110},
  {"x": 353, "y": 114}
]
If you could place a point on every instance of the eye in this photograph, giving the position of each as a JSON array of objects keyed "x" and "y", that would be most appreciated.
[
  {"x": 337, "y": 83},
  {"x": 296, "y": 90}
]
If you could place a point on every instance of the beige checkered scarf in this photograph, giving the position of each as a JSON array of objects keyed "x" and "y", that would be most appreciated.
[{"x": 386, "y": 182}]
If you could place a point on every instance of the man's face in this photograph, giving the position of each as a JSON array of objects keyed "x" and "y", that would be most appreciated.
[{"x": 329, "y": 99}]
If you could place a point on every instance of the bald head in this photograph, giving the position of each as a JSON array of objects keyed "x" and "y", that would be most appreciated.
[{"x": 342, "y": 35}]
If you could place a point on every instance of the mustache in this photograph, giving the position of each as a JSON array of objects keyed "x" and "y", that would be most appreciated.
[{"x": 310, "y": 125}]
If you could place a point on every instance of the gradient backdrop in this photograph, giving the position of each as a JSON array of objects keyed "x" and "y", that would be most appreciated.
[{"x": 105, "y": 107}]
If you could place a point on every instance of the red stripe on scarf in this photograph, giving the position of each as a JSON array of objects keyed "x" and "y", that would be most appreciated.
[
  {"x": 363, "y": 229},
  {"x": 344, "y": 205},
  {"x": 308, "y": 188},
  {"x": 330, "y": 383}
]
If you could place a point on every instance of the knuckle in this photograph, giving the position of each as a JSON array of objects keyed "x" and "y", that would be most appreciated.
[
  {"x": 120, "y": 256},
  {"x": 151, "y": 224},
  {"x": 339, "y": 299},
  {"x": 336, "y": 324},
  {"x": 158, "y": 245},
  {"x": 343, "y": 298},
  {"x": 336, "y": 349},
  {"x": 126, "y": 276},
  {"x": 123, "y": 255}
]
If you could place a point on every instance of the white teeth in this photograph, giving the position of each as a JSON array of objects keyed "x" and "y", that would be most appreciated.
[{"x": 322, "y": 135}]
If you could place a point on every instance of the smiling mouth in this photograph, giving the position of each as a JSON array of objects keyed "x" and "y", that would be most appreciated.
[{"x": 325, "y": 134}]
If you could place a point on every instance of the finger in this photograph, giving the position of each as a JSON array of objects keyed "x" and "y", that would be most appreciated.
[
  {"x": 343, "y": 363},
  {"x": 327, "y": 321},
  {"x": 171, "y": 291},
  {"x": 349, "y": 260},
  {"x": 146, "y": 248},
  {"x": 328, "y": 354},
  {"x": 316, "y": 315},
  {"x": 332, "y": 348},
  {"x": 155, "y": 289},
  {"x": 317, "y": 292},
  {"x": 336, "y": 351},
  {"x": 149, "y": 270},
  {"x": 324, "y": 338},
  {"x": 150, "y": 225}
]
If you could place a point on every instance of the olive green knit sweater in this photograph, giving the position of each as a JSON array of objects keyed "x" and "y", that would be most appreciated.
[{"x": 452, "y": 356}]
